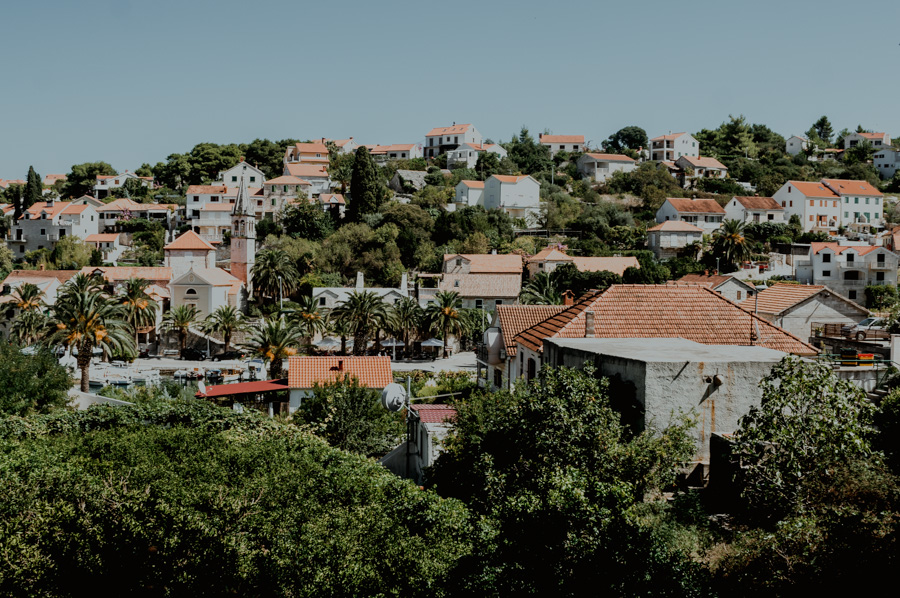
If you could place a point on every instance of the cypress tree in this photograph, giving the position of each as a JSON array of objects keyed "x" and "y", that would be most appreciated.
[
  {"x": 34, "y": 189},
  {"x": 365, "y": 191}
]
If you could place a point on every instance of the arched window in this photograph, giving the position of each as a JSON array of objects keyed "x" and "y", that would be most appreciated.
[{"x": 190, "y": 293}]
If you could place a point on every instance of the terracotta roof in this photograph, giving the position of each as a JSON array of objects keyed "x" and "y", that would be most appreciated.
[
  {"x": 483, "y": 286},
  {"x": 189, "y": 241},
  {"x": 707, "y": 280},
  {"x": 846, "y": 187},
  {"x": 306, "y": 171},
  {"x": 453, "y": 130},
  {"x": 102, "y": 238},
  {"x": 676, "y": 226},
  {"x": 698, "y": 162},
  {"x": 562, "y": 139},
  {"x": 331, "y": 198},
  {"x": 780, "y": 297},
  {"x": 669, "y": 137},
  {"x": 288, "y": 180},
  {"x": 27, "y": 275},
  {"x": 616, "y": 265},
  {"x": 484, "y": 263},
  {"x": 42, "y": 206},
  {"x": 479, "y": 147},
  {"x": 549, "y": 254},
  {"x": 397, "y": 147},
  {"x": 691, "y": 312},
  {"x": 208, "y": 190},
  {"x": 434, "y": 414},
  {"x": 6, "y": 183},
  {"x": 117, "y": 274},
  {"x": 372, "y": 372},
  {"x": 816, "y": 247},
  {"x": 611, "y": 157},
  {"x": 123, "y": 203},
  {"x": 758, "y": 203},
  {"x": 225, "y": 390},
  {"x": 513, "y": 319},
  {"x": 309, "y": 148},
  {"x": 52, "y": 178},
  {"x": 695, "y": 206},
  {"x": 216, "y": 277},
  {"x": 872, "y": 135},
  {"x": 814, "y": 189},
  {"x": 503, "y": 178},
  {"x": 473, "y": 184}
]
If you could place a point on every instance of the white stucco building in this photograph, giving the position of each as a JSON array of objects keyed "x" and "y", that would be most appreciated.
[
  {"x": 46, "y": 222},
  {"x": 849, "y": 269},
  {"x": 109, "y": 244},
  {"x": 104, "y": 184},
  {"x": 754, "y": 209},
  {"x": 832, "y": 203},
  {"x": 886, "y": 161},
  {"x": 599, "y": 167},
  {"x": 796, "y": 144},
  {"x": 443, "y": 139},
  {"x": 518, "y": 196},
  {"x": 563, "y": 143},
  {"x": 670, "y": 147},
  {"x": 315, "y": 173},
  {"x": 705, "y": 213},
  {"x": 876, "y": 140},
  {"x": 800, "y": 308},
  {"x": 470, "y": 193},
  {"x": 383, "y": 154},
  {"x": 468, "y": 153},
  {"x": 666, "y": 238},
  {"x": 231, "y": 177},
  {"x": 694, "y": 168}
]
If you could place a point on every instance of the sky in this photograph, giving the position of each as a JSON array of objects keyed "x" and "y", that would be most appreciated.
[{"x": 130, "y": 82}]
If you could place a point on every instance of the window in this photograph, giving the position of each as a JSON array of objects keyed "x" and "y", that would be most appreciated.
[
  {"x": 880, "y": 259},
  {"x": 234, "y": 179},
  {"x": 253, "y": 179},
  {"x": 459, "y": 262},
  {"x": 846, "y": 214},
  {"x": 826, "y": 273},
  {"x": 867, "y": 200},
  {"x": 498, "y": 378},
  {"x": 739, "y": 295},
  {"x": 196, "y": 198},
  {"x": 456, "y": 284},
  {"x": 846, "y": 200},
  {"x": 826, "y": 258},
  {"x": 850, "y": 258},
  {"x": 498, "y": 302},
  {"x": 879, "y": 276},
  {"x": 852, "y": 295},
  {"x": 285, "y": 188},
  {"x": 273, "y": 202},
  {"x": 532, "y": 369},
  {"x": 43, "y": 231},
  {"x": 322, "y": 301},
  {"x": 214, "y": 198},
  {"x": 191, "y": 292},
  {"x": 456, "y": 140},
  {"x": 479, "y": 304},
  {"x": 855, "y": 200}
]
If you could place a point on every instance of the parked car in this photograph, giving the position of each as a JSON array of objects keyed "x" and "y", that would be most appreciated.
[
  {"x": 870, "y": 327},
  {"x": 232, "y": 354},
  {"x": 193, "y": 354}
]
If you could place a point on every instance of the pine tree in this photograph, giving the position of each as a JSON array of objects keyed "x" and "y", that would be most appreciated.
[
  {"x": 34, "y": 189},
  {"x": 365, "y": 191}
]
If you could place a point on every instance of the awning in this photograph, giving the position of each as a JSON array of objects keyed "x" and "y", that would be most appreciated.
[{"x": 243, "y": 388}]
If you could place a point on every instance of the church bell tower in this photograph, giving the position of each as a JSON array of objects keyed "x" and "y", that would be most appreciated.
[{"x": 243, "y": 235}]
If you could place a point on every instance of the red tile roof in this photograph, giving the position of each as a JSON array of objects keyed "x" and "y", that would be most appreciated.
[
  {"x": 549, "y": 254},
  {"x": 611, "y": 157},
  {"x": 691, "y": 312},
  {"x": 189, "y": 241},
  {"x": 676, "y": 226},
  {"x": 329, "y": 198},
  {"x": 434, "y": 414},
  {"x": 707, "y": 280},
  {"x": 758, "y": 203},
  {"x": 208, "y": 190},
  {"x": 562, "y": 139},
  {"x": 812, "y": 189},
  {"x": 473, "y": 184},
  {"x": 781, "y": 296},
  {"x": 616, "y": 265},
  {"x": 101, "y": 238},
  {"x": 396, "y": 147},
  {"x": 483, "y": 286},
  {"x": 60, "y": 275},
  {"x": 872, "y": 135},
  {"x": 372, "y": 372},
  {"x": 306, "y": 171},
  {"x": 817, "y": 246},
  {"x": 669, "y": 137},
  {"x": 309, "y": 148},
  {"x": 452, "y": 130},
  {"x": 42, "y": 206},
  {"x": 120, "y": 273},
  {"x": 848, "y": 187},
  {"x": 225, "y": 390},
  {"x": 503, "y": 178},
  {"x": 288, "y": 180},
  {"x": 699, "y": 162},
  {"x": 513, "y": 319},
  {"x": 695, "y": 206}
]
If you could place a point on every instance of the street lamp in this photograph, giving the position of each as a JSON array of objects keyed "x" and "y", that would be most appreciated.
[{"x": 280, "y": 296}]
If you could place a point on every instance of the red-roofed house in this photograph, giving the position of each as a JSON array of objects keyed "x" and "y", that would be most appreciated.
[
  {"x": 189, "y": 251},
  {"x": 483, "y": 281},
  {"x": 549, "y": 258},
  {"x": 110, "y": 244},
  {"x": 667, "y": 238},
  {"x": 831, "y": 203},
  {"x": 700, "y": 168},
  {"x": 799, "y": 308},
  {"x": 306, "y": 372},
  {"x": 672, "y": 146},
  {"x": 518, "y": 196},
  {"x": 314, "y": 153},
  {"x": 470, "y": 193},
  {"x": 563, "y": 143},
  {"x": 876, "y": 140},
  {"x": 382, "y": 154},
  {"x": 313, "y": 172},
  {"x": 232, "y": 176},
  {"x": 467, "y": 153},
  {"x": 281, "y": 190},
  {"x": 46, "y": 222},
  {"x": 861, "y": 203},
  {"x": 754, "y": 209},
  {"x": 104, "y": 184},
  {"x": 599, "y": 167},
  {"x": 705, "y": 213},
  {"x": 443, "y": 139},
  {"x": 728, "y": 286}
]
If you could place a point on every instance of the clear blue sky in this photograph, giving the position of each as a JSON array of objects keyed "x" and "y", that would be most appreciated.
[{"x": 129, "y": 82}]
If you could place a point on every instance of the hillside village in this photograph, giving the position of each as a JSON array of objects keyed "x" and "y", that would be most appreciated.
[{"x": 680, "y": 272}]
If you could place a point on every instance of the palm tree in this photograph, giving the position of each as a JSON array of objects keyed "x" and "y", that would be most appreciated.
[
  {"x": 341, "y": 329},
  {"x": 86, "y": 320},
  {"x": 83, "y": 283},
  {"x": 226, "y": 320},
  {"x": 406, "y": 315},
  {"x": 29, "y": 297},
  {"x": 309, "y": 318},
  {"x": 540, "y": 290},
  {"x": 732, "y": 243},
  {"x": 140, "y": 308},
  {"x": 30, "y": 327},
  {"x": 274, "y": 273},
  {"x": 180, "y": 319},
  {"x": 365, "y": 313},
  {"x": 443, "y": 315},
  {"x": 274, "y": 340}
]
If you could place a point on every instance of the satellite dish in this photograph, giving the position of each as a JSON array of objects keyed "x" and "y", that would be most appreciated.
[
  {"x": 201, "y": 387},
  {"x": 393, "y": 397}
]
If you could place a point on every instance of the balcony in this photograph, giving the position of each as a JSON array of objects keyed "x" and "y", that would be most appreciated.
[{"x": 881, "y": 266}]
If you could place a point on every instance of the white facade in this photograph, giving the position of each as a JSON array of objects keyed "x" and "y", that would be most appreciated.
[
  {"x": 887, "y": 161},
  {"x": 212, "y": 221},
  {"x": 232, "y": 176},
  {"x": 198, "y": 197},
  {"x": 704, "y": 213},
  {"x": 382, "y": 154},
  {"x": 563, "y": 143},
  {"x": 673, "y": 146},
  {"x": 280, "y": 191},
  {"x": 796, "y": 144},
  {"x": 599, "y": 167},
  {"x": 470, "y": 193},
  {"x": 206, "y": 289},
  {"x": 754, "y": 209},
  {"x": 110, "y": 244},
  {"x": 443, "y": 139},
  {"x": 518, "y": 196},
  {"x": 848, "y": 270},
  {"x": 104, "y": 184},
  {"x": 876, "y": 140},
  {"x": 46, "y": 222},
  {"x": 468, "y": 153},
  {"x": 666, "y": 239},
  {"x": 817, "y": 206}
]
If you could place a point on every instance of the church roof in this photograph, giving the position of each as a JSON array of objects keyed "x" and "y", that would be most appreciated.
[{"x": 189, "y": 241}]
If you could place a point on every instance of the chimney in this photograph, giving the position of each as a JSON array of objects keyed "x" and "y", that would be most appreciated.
[
  {"x": 340, "y": 365},
  {"x": 42, "y": 266},
  {"x": 569, "y": 297},
  {"x": 588, "y": 324},
  {"x": 360, "y": 283},
  {"x": 493, "y": 252}
]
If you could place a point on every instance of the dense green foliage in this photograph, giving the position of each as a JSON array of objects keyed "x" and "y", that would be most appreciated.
[{"x": 31, "y": 383}]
